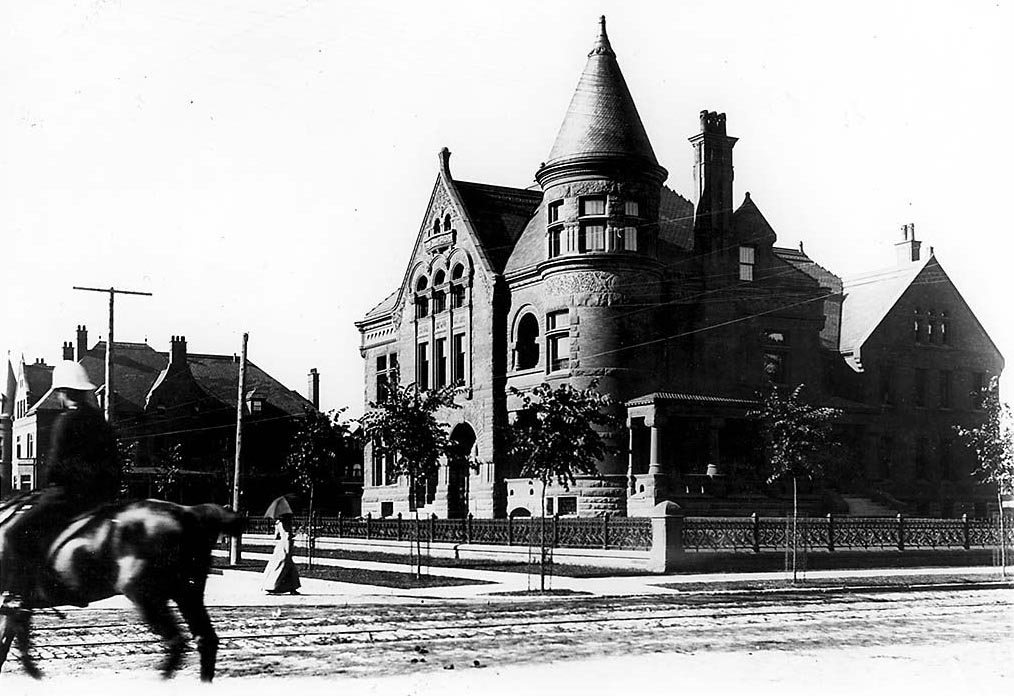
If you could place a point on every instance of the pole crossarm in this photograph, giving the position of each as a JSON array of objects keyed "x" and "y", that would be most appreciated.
[{"x": 109, "y": 342}]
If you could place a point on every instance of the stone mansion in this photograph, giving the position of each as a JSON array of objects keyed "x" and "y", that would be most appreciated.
[{"x": 684, "y": 310}]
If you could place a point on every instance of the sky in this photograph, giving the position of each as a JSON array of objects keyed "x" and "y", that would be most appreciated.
[{"x": 264, "y": 166}]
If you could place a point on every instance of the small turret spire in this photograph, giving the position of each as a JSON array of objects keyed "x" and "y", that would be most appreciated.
[{"x": 602, "y": 46}]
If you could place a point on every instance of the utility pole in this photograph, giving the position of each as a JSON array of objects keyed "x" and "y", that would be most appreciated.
[
  {"x": 234, "y": 544},
  {"x": 109, "y": 343}
]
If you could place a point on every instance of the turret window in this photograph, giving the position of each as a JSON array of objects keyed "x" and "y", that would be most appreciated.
[
  {"x": 593, "y": 206},
  {"x": 555, "y": 246},
  {"x": 553, "y": 211},
  {"x": 593, "y": 237},
  {"x": 558, "y": 340},
  {"x": 526, "y": 350},
  {"x": 632, "y": 209}
]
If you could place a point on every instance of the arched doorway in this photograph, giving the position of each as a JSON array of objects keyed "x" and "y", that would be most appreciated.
[{"x": 458, "y": 460}]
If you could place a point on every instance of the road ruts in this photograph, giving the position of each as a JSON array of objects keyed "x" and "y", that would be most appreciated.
[{"x": 374, "y": 640}]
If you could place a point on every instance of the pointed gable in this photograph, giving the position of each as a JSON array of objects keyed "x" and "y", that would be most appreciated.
[
  {"x": 749, "y": 224},
  {"x": 868, "y": 299},
  {"x": 602, "y": 120}
]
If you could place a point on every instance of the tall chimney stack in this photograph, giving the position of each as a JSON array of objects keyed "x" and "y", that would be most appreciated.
[
  {"x": 313, "y": 387},
  {"x": 68, "y": 350},
  {"x": 178, "y": 351},
  {"x": 908, "y": 249},
  {"x": 82, "y": 341}
]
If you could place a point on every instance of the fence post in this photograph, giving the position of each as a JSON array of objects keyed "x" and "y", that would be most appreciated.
[
  {"x": 605, "y": 531},
  {"x": 964, "y": 531},
  {"x": 830, "y": 531},
  {"x": 756, "y": 532},
  {"x": 398, "y": 526},
  {"x": 510, "y": 530},
  {"x": 369, "y": 519},
  {"x": 556, "y": 530},
  {"x": 901, "y": 532},
  {"x": 433, "y": 518},
  {"x": 468, "y": 529},
  {"x": 339, "y": 525}
]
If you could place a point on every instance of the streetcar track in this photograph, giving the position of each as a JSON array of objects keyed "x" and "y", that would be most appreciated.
[{"x": 379, "y": 632}]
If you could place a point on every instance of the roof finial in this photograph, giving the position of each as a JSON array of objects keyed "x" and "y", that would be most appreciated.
[{"x": 602, "y": 46}]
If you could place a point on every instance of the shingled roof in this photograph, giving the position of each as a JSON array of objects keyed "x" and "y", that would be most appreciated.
[
  {"x": 870, "y": 296},
  {"x": 138, "y": 367},
  {"x": 602, "y": 119},
  {"x": 830, "y": 333},
  {"x": 499, "y": 215}
]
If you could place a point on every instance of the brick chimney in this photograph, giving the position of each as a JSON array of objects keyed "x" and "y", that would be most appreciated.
[
  {"x": 313, "y": 387},
  {"x": 68, "y": 350},
  {"x": 178, "y": 351},
  {"x": 82, "y": 341},
  {"x": 908, "y": 249},
  {"x": 713, "y": 175}
]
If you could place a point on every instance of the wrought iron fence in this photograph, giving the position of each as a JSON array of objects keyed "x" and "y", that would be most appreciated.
[
  {"x": 568, "y": 532},
  {"x": 736, "y": 534}
]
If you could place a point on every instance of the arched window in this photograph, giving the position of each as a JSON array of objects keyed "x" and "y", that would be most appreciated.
[
  {"x": 458, "y": 289},
  {"x": 447, "y": 222},
  {"x": 422, "y": 302},
  {"x": 438, "y": 279},
  {"x": 527, "y": 345},
  {"x": 436, "y": 226}
]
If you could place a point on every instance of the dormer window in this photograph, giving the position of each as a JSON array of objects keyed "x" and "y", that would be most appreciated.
[{"x": 747, "y": 259}]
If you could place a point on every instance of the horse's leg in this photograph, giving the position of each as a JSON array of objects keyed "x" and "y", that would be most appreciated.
[
  {"x": 17, "y": 625},
  {"x": 155, "y": 612},
  {"x": 195, "y": 613},
  {"x": 6, "y": 638}
]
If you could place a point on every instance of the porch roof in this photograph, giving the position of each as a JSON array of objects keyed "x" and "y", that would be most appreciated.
[{"x": 688, "y": 398}]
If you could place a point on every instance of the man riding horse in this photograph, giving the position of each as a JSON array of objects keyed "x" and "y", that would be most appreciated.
[{"x": 80, "y": 473}]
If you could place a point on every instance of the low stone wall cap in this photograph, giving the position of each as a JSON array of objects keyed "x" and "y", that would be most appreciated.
[{"x": 667, "y": 508}]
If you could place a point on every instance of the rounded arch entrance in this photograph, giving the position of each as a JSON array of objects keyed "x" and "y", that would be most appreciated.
[{"x": 459, "y": 461}]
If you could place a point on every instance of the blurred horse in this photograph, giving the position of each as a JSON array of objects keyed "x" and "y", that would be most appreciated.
[{"x": 150, "y": 551}]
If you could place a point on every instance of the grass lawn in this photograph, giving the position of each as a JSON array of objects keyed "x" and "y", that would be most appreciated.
[
  {"x": 358, "y": 576},
  {"x": 522, "y": 567}
]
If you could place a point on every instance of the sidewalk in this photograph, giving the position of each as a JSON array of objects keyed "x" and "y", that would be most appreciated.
[{"x": 242, "y": 587}]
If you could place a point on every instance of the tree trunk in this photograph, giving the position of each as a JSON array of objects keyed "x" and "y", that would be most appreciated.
[
  {"x": 542, "y": 542},
  {"x": 795, "y": 516},
  {"x": 309, "y": 531},
  {"x": 1003, "y": 536}
]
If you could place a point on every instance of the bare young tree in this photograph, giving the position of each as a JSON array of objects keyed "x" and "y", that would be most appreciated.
[
  {"x": 797, "y": 435},
  {"x": 556, "y": 435}
]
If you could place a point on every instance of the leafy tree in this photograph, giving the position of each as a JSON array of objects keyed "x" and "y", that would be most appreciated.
[
  {"x": 317, "y": 450},
  {"x": 556, "y": 435},
  {"x": 798, "y": 437},
  {"x": 404, "y": 425},
  {"x": 993, "y": 444}
]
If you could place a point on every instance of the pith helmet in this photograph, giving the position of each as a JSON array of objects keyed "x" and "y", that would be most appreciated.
[{"x": 70, "y": 375}]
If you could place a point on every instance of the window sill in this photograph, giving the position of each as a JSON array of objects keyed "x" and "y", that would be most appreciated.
[{"x": 538, "y": 369}]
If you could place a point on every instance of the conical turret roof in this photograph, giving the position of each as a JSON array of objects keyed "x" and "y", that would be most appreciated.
[{"x": 602, "y": 120}]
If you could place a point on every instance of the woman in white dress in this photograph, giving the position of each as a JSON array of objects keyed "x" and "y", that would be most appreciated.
[{"x": 281, "y": 575}]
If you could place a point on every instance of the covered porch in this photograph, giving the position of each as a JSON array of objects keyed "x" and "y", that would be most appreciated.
[{"x": 690, "y": 446}]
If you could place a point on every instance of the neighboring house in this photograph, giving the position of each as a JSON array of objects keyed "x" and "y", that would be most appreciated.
[
  {"x": 175, "y": 420},
  {"x": 30, "y": 429},
  {"x": 683, "y": 311}
]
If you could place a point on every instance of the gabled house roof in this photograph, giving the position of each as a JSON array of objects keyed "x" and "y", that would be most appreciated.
[
  {"x": 870, "y": 296},
  {"x": 139, "y": 368}
]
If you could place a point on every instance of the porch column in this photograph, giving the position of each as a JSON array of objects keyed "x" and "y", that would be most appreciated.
[
  {"x": 714, "y": 451},
  {"x": 655, "y": 422},
  {"x": 631, "y": 481}
]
